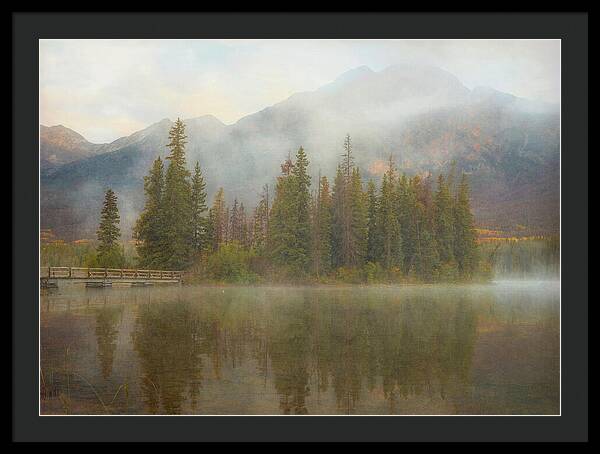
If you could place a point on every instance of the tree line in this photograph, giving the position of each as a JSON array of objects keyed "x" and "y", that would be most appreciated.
[{"x": 407, "y": 228}]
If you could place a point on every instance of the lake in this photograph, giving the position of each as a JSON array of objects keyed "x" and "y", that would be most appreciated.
[{"x": 372, "y": 350}]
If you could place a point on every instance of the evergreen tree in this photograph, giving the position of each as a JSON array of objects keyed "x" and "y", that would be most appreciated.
[
  {"x": 243, "y": 229},
  {"x": 359, "y": 223},
  {"x": 260, "y": 229},
  {"x": 149, "y": 228},
  {"x": 465, "y": 246},
  {"x": 217, "y": 221},
  {"x": 426, "y": 259},
  {"x": 338, "y": 223},
  {"x": 389, "y": 226},
  {"x": 372, "y": 230},
  {"x": 282, "y": 219},
  {"x": 302, "y": 204},
  {"x": 177, "y": 203},
  {"x": 290, "y": 216},
  {"x": 407, "y": 218},
  {"x": 235, "y": 223},
  {"x": 108, "y": 250},
  {"x": 349, "y": 240},
  {"x": 444, "y": 222},
  {"x": 322, "y": 229},
  {"x": 199, "y": 221}
]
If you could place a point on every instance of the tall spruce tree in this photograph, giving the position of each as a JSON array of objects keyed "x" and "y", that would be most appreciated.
[
  {"x": 217, "y": 221},
  {"x": 243, "y": 229},
  {"x": 389, "y": 226},
  {"x": 260, "y": 229},
  {"x": 407, "y": 220},
  {"x": 302, "y": 204},
  {"x": 322, "y": 229},
  {"x": 349, "y": 228},
  {"x": 290, "y": 216},
  {"x": 235, "y": 222},
  {"x": 177, "y": 203},
  {"x": 426, "y": 260},
  {"x": 444, "y": 221},
  {"x": 109, "y": 251},
  {"x": 149, "y": 228},
  {"x": 338, "y": 219},
  {"x": 359, "y": 223},
  {"x": 199, "y": 221},
  {"x": 465, "y": 245},
  {"x": 282, "y": 219},
  {"x": 372, "y": 229}
]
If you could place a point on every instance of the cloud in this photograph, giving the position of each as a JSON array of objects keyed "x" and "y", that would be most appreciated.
[{"x": 105, "y": 89}]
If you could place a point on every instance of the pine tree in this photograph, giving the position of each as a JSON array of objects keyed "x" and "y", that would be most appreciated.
[
  {"x": 177, "y": 203},
  {"x": 359, "y": 223},
  {"x": 244, "y": 237},
  {"x": 322, "y": 229},
  {"x": 234, "y": 222},
  {"x": 260, "y": 229},
  {"x": 302, "y": 204},
  {"x": 149, "y": 228},
  {"x": 465, "y": 245},
  {"x": 108, "y": 250},
  {"x": 349, "y": 227},
  {"x": 444, "y": 222},
  {"x": 372, "y": 230},
  {"x": 282, "y": 219},
  {"x": 217, "y": 221},
  {"x": 290, "y": 216},
  {"x": 426, "y": 259},
  {"x": 348, "y": 159},
  {"x": 338, "y": 236},
  {"x": 407, "y": 218},
  {"x": 389, "y": 227},
  {"x": 199, "y": 220}
]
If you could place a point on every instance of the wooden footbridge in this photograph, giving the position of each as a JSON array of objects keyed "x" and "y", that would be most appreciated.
[{"x": 104, "y": 277}]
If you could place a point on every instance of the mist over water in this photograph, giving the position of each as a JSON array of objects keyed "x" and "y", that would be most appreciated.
[{"x": 458, "y": 349}]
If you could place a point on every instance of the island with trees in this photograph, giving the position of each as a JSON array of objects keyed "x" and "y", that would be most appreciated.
[{"x": 410, "y": 229}]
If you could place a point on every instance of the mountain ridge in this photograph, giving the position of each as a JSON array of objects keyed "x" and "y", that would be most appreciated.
[{"x": 425, "y": 117}]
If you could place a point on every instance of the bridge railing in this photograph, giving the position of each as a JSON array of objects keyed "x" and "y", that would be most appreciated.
[{"x": 65, "y": 272}]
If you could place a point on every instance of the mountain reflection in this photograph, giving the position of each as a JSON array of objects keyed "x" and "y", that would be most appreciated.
[{"x": 306, "y": 343}]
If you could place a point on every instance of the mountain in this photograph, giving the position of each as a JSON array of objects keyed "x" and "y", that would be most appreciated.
[
  {"x": 422, "y": 115},
  {"x": 60, "y": 145}
]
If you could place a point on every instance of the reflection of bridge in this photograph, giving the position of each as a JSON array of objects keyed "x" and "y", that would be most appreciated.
[{"x": 104, "y": 277}]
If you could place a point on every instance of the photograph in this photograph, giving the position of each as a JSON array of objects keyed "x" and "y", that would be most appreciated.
[{"x": 300, "y": 227}]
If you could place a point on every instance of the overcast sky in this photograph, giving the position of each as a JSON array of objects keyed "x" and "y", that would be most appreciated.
[{"x": 105, "y": 89}]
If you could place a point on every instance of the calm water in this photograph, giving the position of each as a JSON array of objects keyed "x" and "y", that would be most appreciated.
[{"x": 489, "y": 349}]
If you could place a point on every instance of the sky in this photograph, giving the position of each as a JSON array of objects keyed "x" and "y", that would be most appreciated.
[{"x": 106, "y": 89}]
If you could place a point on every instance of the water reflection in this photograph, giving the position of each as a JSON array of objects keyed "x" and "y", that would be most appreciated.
[
  {"x": 319, "y": 351},
  {"x": 167, "y": 338},
  {"x": 413, "y": 346},
  {"x": 107, "y": 321}
]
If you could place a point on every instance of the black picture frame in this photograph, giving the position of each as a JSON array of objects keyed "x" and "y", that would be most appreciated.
[{"x": 571, "y": 28}]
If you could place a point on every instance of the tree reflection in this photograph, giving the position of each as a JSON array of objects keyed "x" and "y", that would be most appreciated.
[
  {"x": 107, "y": 319},
  {"x": 167, "y": 339},
  {"x": 346, "y": 344},
  {"x": 290, "y": 355}
]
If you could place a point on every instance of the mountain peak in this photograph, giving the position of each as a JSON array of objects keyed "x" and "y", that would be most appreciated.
[
  {"x": 205, "y": 119},
  {"x": 353, "y": 74}
]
